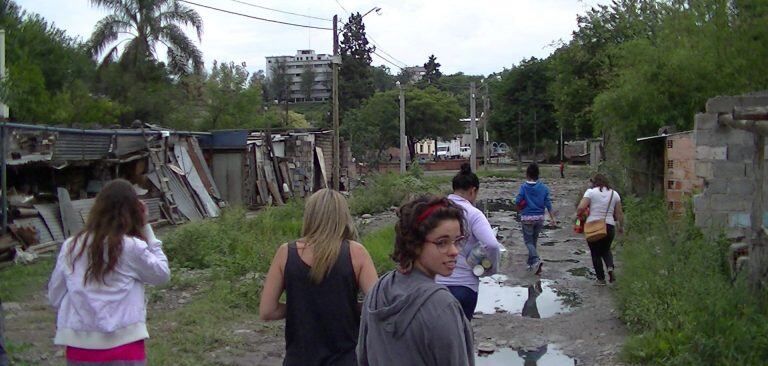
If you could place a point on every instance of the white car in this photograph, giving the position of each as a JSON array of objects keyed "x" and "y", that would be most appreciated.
[{"x": 465, "y": 152}]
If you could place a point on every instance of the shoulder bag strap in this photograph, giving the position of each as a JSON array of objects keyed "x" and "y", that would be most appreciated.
[{"x": 609, "y": 206}]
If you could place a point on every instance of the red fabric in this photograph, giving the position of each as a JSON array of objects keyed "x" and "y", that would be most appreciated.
[
  {"x": 128, "y": 352},
  {"x": 429, "y": 211}
]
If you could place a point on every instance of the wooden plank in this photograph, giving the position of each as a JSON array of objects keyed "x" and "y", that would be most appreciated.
[
  {"x": 321, "y": 162},
  {"x": 261, "y": 181},
  {"x": 286, "y": 178},
  {"x": 52, "y": 218},
  {"x": 70, "y": 218},
  {"x": 272, "y": 185}
]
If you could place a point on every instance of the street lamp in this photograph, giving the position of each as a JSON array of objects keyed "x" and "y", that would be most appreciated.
[{"x": 375, "y": 8}]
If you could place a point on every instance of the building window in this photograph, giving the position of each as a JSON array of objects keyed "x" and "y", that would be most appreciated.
[
  {"x": 670, "y": 164},
  {"x": 670, "y": 184},
  {"x": 670, "y": 144},
  {"x": 670, "y": 205}
]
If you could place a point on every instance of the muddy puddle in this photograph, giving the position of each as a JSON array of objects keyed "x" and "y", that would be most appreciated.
[
  {"x": 535, "y": 300},
  {"x": 546, "y": 355},
  {"x": 495, "y": 205},
  {"x": 583, "y": 272}
]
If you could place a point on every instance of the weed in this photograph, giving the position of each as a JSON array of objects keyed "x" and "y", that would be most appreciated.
[
  {"x": 18, "y": 281},
  {"x": 385, "y": 190},
  {"x": 677, "y": 297},
  {"x": 379, "y": 245}
]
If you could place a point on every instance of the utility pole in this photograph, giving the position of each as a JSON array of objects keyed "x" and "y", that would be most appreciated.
[
  {"x": 335, "y": 67},
  {"x": 562, "y": 143},
  {"x": 519, "y": 141},
  {"x": 403, "y": 139},
  {"x": 534, "y": 137},
  {"x": 486, "y": 108},
  {"x": 472, "y": 128},
  {"x": 3, "y": 139}
]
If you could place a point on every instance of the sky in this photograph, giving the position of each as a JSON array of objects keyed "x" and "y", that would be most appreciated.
[{"x": 473, "y": 37}]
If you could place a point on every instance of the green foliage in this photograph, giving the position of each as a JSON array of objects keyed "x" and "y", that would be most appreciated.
[
  {"x": 307, "y": 82},
  {"x": 18, "y": 281},
  {"x": 232, "y": 99},
  {"x": 676, "y": 296},
  {"x": 383, "y": 79},
  {"x": 458, "y": 85},
  {"x": 432, "y": 72},
  {"x": 149, "y": 23},
  {"x": 521, "y": 95},
  {"x": 383, "y": 191},
  {"x": 380, "y": 244},
  {"x": 355, "y": 76}
]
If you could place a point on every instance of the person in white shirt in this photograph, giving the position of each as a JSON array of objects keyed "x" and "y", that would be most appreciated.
[
  {"x": 98, "y": 282},
  {"x": 603, "y": 203}
]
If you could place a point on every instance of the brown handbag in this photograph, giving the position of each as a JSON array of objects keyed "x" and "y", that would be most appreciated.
[{"x": 596, "y": 230}]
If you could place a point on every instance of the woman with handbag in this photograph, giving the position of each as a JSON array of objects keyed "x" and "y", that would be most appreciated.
[{"x": 606, "y": 217}]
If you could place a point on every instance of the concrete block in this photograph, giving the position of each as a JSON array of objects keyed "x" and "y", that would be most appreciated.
[
  {"x": 705, "y": 121},
  {"x": 741, "y": 187},
  {"x": 728, "y": 202},
  {"x": 704, "y": 170},
  {"x": 712, "y": 152},
  {"x": 753, "y": 101},
  {"x": 721, "y": 104},
  {"x": 739, "y": 137},
  {"x": 700, "y": 203},
  {"x": 710, "y": 137},
  {"x": 729, "y": 169},
  {"x": 741, "y": 152},
  {"x": 739, "y": 220},
  {"x": 736, "y": 233},
  {"x": 715, "y": 186}
]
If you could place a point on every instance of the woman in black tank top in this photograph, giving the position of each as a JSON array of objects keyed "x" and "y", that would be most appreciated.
[{"x": 321, "y": 274}]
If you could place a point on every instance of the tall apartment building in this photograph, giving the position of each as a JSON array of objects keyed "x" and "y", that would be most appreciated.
[{"x": 294, "y": 66}]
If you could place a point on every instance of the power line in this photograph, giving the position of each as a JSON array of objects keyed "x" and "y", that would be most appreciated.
[
  {"x": 342, "y": 6},
  {"x": 280, "y": 11},
  {"x": 387, "y": 60},
  {"x": 378, "y": 47},
  {"x": 253, "y": 17}
]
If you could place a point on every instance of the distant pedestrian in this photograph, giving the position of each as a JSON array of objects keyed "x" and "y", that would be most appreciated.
[
  {"x": 562, "y": 169},
  {"x": 534, "y": 199},
  {"x": 408, "y": 319},
  {"x": 603, "y": 203},
  {"x": 98, "y": 282},
  {"x": 463, "y": 283},
  {"x": 321, "y": 274}
]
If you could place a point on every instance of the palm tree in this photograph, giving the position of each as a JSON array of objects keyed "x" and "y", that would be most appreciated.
[{"x": 148, "y": 22}]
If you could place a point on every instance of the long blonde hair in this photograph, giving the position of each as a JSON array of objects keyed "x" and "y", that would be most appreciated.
[{"x": 327, "y": 222}]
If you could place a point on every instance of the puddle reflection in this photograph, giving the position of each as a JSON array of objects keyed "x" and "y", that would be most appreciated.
[
  {"x": 536, "y": 300},
  {"x": 546, "y": 355}
]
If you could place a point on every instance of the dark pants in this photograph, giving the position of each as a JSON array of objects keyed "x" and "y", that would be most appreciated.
[
  {"x": 467, "y": 298},
  {"x": 601, "y": 252}
]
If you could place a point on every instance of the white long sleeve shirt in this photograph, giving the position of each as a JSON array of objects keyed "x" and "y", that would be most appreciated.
[{"x": 106, "y": 315}]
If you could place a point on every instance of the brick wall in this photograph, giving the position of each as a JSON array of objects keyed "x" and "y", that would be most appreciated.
[
  {"x": 680, "y": 180},
  {"x": 724, "y": 162}
]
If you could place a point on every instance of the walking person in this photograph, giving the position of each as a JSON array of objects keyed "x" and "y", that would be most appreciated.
[
  {"x": 534, "y": 199},
  {"x": 408, "y": 319},
  {"x": 562, "y": 169},
  {"x": 321, "y": 274},
  {"x": 463, "y": 283},
  {"x": 604, "y": 204},
  {"x": 98, "y": 281}
]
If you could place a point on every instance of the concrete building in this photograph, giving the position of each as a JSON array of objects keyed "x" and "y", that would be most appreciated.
[
  {"x": 295, "y": 65},
  {"x": 416, "y": 72}
]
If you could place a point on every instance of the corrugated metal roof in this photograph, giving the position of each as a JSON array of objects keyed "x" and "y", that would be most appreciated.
[
  {"x": 74, "y": 147},
  {"x": 83, "y": 207},
  {"x": 180, "y": 194},
  {"x": 153, "y": 208},
  {"x": 52, "y": 217}
]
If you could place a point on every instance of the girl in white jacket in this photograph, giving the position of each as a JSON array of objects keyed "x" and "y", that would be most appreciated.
[{"x": 98, "y": 282}]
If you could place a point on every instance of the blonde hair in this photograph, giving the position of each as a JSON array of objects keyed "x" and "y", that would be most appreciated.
[{"x": 327, "y": 222}]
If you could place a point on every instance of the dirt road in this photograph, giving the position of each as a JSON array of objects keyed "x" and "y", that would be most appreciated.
[{"x": 559, "y": 318}]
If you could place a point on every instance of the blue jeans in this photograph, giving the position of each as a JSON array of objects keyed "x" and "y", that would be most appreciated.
[
  {"x": 467, "y": 298},
  {"x": 531, "y": 230}
]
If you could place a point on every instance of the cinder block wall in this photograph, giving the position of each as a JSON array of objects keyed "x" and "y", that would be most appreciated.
[{"x": 724, "y": 162}]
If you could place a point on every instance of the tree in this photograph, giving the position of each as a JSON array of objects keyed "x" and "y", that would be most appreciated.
[
  {"x": 522, "y": 94},
  {"x": 432, "y": 71},
  {"x": 355, "y": 77},
  {"x": 308, "y": 81},
  {"x": 149, "y": 22},
  {"x": 374, "y": 127},
  {"x": 233, "y": 100},
  {"x": 382, "y": 78},
  {"x": 279, "y": 82}
]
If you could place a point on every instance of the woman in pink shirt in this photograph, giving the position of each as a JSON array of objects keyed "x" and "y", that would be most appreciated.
[{"x": 98, "y": 282}]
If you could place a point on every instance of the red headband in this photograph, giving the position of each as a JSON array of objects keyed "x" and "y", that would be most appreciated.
[{"x": 429, "y": 211}]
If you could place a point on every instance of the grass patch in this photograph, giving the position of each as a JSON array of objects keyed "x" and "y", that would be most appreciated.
[
  {"x": 18, "y": 281},
  {"x": 508, "y": 174},
  {"x": 676, "y": 295},
  {"x": 379, "y": 244},
  {"x": 385, "y": 190}
]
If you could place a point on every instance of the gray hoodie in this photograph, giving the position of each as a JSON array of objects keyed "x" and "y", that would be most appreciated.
[{"x": 408, "y": 319}]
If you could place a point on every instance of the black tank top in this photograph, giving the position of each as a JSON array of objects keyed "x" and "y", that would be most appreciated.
[{"x": 322, "y": 320}]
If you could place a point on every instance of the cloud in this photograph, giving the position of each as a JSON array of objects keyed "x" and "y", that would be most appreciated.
[{"x": 475, "y": 37}]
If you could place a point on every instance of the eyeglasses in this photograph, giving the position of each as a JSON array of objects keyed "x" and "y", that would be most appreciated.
[{"x": 444, "y": 244}]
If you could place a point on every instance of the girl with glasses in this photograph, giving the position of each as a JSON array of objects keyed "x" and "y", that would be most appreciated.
[
  {"x": 464, "y": 283},
  {"x": 408, "y": 319}
]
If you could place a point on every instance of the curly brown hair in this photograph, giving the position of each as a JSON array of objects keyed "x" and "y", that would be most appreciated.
[{"x": 410, "y": 232}]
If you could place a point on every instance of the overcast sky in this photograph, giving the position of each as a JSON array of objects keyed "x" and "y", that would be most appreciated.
[{"x": 474, "y": 37}]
